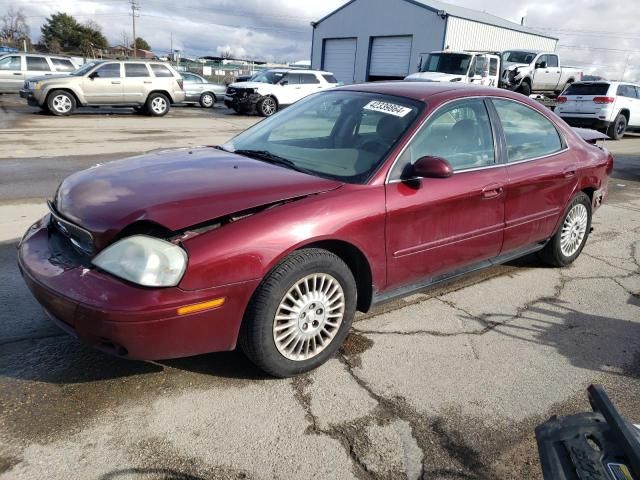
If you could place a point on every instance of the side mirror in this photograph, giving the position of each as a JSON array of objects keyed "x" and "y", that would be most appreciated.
[
  {"x": 541, "y": 65},
  {"x": 93, "y": 75},
  {"x": 432, "y": 167},
  {"x": 284, "y": 82}
]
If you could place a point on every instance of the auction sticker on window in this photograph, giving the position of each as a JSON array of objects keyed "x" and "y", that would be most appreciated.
[{"x": 387, "y": 107}]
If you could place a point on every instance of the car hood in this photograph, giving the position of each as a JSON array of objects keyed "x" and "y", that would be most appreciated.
[
  {"x": 434, "y": 77},
  {"x": 250, "y": 85},
  {"x": 43, "y": 78},
  {"x": 513, "y": 65},
  {"x": 176, "y": 189}
]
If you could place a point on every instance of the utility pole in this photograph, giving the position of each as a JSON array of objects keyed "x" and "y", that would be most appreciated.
[
  {"x": 134, "y": 8},
  {"x": 171, "y": 58}
]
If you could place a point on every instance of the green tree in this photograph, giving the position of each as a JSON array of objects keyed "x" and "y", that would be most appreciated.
[
  {"x": 142, "y": 44},
  {"x": 70, "y": 34}
]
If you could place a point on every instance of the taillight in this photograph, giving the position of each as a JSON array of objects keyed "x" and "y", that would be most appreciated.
[
  {"x": 181, "y": 83},
  {"x": 603, "y": 99},
  {"x": 561, "y": 99}
]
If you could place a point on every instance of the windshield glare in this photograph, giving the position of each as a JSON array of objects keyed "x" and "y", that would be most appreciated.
[
  {"x": 452, "y": 63},
  {"x": 84, "y": 69},
  {"x": 268, "y": 77},
  {"x": 518, "y": 57},
  {"x": 342, "y": 135}
]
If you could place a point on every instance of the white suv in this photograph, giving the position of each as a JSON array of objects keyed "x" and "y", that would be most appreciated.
[
  {"x": 613, "y": 107},
  {"x": 271, "y": 90}
]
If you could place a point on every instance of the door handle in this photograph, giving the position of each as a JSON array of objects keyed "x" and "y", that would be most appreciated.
[
  {"x": 17, "y": 73},
  {"x": 493, "y": 190},
  {"x": 115, "y": 83},
  {"x": 147, "y": 81}
]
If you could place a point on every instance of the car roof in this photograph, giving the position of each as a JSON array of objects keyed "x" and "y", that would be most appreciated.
[{"x": 424, "y": 90}]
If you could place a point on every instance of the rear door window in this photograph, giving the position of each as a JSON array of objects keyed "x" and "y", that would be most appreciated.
[
  {"x": 627, "y": 91},
  {"x": 63, "y": 65},
  {"x": 161, "y": 71},
  {"x": 308, "y": 78},
  {"x": 552, "y": 60},
  {"x": 330, "y": 78},
  {"x": 37, "y": 64},
  {"x": 293, "y": 79},
  {"x": 587, "y": 89},
  {"x": 529, "y": 134},
  {"x": 10, "y": 63},
  {"x": 136, "y": 70}
]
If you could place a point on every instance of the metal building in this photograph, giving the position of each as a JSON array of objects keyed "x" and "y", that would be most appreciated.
[{"x": 385, "y": 39}]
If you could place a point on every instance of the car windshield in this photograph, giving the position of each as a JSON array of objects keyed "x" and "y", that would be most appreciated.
[
  {"x": 452, "y": 63},
  {"x": 268, "y": 77},
  {"x": 341, "y": 135},
  {"x": 518, "y": 57},
  {"x": 84, "y": 69}
]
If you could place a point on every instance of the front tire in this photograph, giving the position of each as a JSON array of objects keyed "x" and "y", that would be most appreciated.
[
  {"x": 61, "y": 103},
  {"x": 300, "y": 314},
  {"x": 207, "y": 100},
  {"x": 618, "y": 128},
  {"x": 267, "y": 107},
  {"x": 158, "y": 105},
  {"x": 567, "y": 243},
  {"x": 524, "y": 89}
]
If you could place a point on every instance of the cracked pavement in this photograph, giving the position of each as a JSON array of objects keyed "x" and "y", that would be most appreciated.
[{"x": 445, "y": 384}]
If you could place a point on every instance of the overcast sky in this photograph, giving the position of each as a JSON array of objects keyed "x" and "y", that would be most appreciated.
[{"x": 600, "y": 33}]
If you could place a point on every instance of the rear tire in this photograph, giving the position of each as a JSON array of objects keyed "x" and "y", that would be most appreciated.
[
  {"x": 618, "y": 128},
  {"x": 300, "y": 314},
  {"x": 207, "y": 100},
  {"x": 567, "y": 243},
  {"x": 157, "y": 105},
  {"x": 61, "y": 103}
]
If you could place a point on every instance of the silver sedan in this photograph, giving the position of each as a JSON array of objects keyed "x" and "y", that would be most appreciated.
[{"x": 199, "y": 90}]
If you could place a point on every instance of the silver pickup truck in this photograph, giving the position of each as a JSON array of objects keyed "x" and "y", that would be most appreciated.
[{"x": 530, "y": 72}]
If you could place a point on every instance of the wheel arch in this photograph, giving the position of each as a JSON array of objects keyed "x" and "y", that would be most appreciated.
[
  {"x": 626, "y": 113},
  {"x": 163, "y": 92},
  {"x": 63, "y": 89}
]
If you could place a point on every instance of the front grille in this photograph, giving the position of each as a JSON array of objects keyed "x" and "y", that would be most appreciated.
[
  {"x": 80, "y": 238},
  {"x": 231, "y": 91}
]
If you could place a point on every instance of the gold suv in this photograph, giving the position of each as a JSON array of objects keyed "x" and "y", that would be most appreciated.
[{"x": 151, "y": 87}]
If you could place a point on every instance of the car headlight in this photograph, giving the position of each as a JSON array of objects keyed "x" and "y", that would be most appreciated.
[{"x": 144, "y": 260}]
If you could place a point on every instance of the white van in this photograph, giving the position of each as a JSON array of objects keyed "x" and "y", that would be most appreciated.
[
  {"x": 480, "y": 68},
  {"x": 15, "y": 68}
]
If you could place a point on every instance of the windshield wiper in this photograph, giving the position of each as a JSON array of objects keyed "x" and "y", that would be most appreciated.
[{"x": 272, "y": 158}]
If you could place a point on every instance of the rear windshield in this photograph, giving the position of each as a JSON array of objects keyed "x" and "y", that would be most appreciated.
[{"x": 587, "y": 89}]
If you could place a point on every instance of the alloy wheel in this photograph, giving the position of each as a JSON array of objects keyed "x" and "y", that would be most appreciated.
[
  {"x": 207, "y": 100},
  {"x": 268, "y": 106},
  {"x": 309, "y": 317},
  {"x": 62, "y": 104},
  {"x": 574, "y": 230},
  {"x": 159, "y": 105}
]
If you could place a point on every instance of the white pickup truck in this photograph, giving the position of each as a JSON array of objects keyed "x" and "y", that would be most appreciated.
[
  {"x": 480, "y": 68},
  {"x": 530, "y": 72}
]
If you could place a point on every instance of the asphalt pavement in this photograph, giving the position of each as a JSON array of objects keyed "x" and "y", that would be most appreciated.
[{"x": 445, "y": 384}]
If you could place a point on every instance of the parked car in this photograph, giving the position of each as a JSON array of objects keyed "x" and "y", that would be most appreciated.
[
  {"x": 466, "y": 67},
  {"x": 273, "y": 240},
  {"x": 530, "y": 72},
  {"x": 270, "y": 90},
  {"x": 18, "y": 67},
  {"x": 151, "y": 87},
  {"x": 200, "y": 91},
  {"x": 612, "y": 107}
]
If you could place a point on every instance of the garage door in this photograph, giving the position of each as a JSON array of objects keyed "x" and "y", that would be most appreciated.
[
  {"x": 390, "y": 56},
  {"x": 340, "y": 58}
]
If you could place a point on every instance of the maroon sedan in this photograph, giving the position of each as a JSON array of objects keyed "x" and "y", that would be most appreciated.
[{"x": 348, "y": 198}]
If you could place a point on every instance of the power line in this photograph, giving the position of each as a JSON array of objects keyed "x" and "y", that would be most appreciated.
[{"x": 586, "y": 47}]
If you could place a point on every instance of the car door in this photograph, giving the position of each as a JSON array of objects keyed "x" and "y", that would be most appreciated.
[
  {"x": 137, "y": 80},
  {"x": 193, "y": 86},
  {"x": 310, "y": 83},
  {"x": 634, "y": 116},
  {"x": 11, "y": 74},
  {"x": 103, "y": 86},
  {"x": 289, "y": 89},
  {"x": 37, "y": 66},
  {"x": 437, "y": 225},
  {"x": 546, "y": 77},
  {"x": 541, "y": 174}
]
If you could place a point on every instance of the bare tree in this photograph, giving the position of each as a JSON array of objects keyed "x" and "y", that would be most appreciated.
[
  {"x": 54, "y": 46},
  {"x": 226, "y": 54},
  {"x": 14, "y": 27}
]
